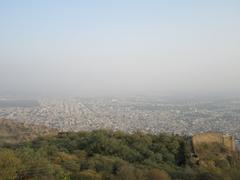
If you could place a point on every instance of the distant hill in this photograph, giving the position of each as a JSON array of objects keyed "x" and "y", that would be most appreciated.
[{"x": 15, "y": 132}]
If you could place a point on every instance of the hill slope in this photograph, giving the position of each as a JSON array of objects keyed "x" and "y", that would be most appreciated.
[
  {"x": 112, "y": 155},
  {"x": 13, "y": 132}
]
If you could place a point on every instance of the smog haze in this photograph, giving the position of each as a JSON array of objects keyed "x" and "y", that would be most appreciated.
[{"x": 101, "y": 47}]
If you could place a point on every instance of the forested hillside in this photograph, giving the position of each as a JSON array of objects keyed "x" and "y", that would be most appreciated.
[{"x": 104, "y": 154}]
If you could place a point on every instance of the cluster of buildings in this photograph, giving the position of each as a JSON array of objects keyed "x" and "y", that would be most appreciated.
[{"x": 131, "y": 114}]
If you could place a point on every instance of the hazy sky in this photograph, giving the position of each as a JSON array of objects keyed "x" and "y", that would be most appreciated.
[{"x": 99, "y": 47}]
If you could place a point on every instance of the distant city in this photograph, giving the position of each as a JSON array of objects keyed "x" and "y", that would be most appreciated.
[{"x": 148, "y": 114}]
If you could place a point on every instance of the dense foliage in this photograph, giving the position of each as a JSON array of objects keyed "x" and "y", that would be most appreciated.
[{"x": 109, "y": 155}]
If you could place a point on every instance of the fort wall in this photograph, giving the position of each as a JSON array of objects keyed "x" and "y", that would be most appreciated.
[{"x": 213, "y": 137}]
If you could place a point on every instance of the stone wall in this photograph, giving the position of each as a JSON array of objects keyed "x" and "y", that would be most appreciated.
[
  {"x": 213, "y": 137},
  {"x": 229, "y": 142}
]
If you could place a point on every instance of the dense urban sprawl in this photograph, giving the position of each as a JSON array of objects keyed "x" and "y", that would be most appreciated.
[{"x": 130, "y": 114}]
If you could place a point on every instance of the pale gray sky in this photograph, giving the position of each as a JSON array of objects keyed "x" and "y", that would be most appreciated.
[{"x": 102, "y": 47}]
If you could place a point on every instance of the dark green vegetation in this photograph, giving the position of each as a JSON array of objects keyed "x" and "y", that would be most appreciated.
[{"x": 110, "y": 155}]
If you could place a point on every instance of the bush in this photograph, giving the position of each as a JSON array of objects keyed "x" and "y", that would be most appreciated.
[
  {"x": 156, "y": 174},
  {"x": 9, "y": 164}
]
